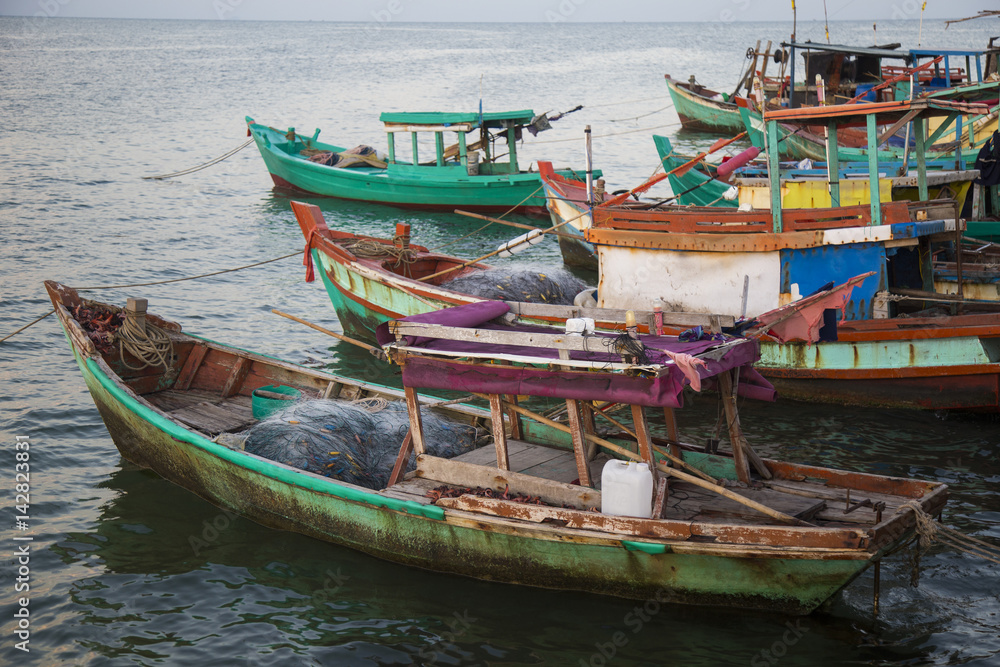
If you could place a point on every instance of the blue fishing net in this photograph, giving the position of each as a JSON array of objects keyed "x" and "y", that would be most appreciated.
[{"x": 355, "y": 442}]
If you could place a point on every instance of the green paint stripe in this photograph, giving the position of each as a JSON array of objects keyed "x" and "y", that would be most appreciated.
[
  {"x": 256, "y": 465},
  {"x": 645, "y": 547}
]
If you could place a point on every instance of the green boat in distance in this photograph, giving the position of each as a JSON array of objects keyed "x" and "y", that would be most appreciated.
[
  {"x": 702, "y": 109},
  {"x": 782, "y": 544},
  {"x": 474, "y": 173}
]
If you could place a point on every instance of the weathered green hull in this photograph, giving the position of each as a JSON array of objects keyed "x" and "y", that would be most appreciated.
[
  {"x": 362, "y": 303},
  {"x": 703, "y": 114},
  {"x": 445, "y": 187},
  {"x": 424, "y": 536},
  {"x": 693, "y": 187}
]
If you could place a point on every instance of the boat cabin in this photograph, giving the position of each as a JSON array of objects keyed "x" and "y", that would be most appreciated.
[
  {"x": 487, "y": 129},
  {"x": 896, "y": 115},
  {"x": 850, "y": 73}
]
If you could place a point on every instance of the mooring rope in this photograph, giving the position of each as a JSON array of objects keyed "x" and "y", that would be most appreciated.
[
  {"x": 202, "y": 166},
  {"x": 612, "y": 104},
  {"x": 35, "y": 321},
  {"x": 621, "y": 120},
  {"x": 930, "y": 530},
  {"x": 177, "y": 280},
  {"x": 610, "y": 134},
  {"x": 158, "y": 282}
]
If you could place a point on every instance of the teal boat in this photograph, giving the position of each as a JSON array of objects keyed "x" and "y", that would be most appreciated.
[
  {"x": 702, "y": 109},
  {"x": 513, "y": 510},
  {"x": 479, "y": 172}
]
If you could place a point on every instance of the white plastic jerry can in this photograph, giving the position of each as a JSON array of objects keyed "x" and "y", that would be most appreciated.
[{"x": 627, "y": 489}]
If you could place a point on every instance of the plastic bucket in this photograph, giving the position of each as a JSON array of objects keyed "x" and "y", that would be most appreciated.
[{"x": 263, "y": 407}]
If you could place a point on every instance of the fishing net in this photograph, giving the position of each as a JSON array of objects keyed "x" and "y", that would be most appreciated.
[
  {"x": 557, "y": 287},
  {"x": 354, "y": 442}
]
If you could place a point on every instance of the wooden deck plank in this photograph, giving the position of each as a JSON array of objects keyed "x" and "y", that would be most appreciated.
[
  {"x": 210, "y": 418},
  {"x": 487, "y": 455},
  {"x": 533, "y": 456},
  {"x": 559, "y": 469}
]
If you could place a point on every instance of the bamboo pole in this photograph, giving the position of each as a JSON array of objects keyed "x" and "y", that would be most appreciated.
[
  {"x": 501, "y": 249},
  {"x": 683, "y": 476},
  {"x": 365, "y": 346},
  {"x": 662, "y": 452},
  {"x": 509, "y": 223}
]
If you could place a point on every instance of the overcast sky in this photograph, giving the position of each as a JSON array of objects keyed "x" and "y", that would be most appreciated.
[{"x": 507, "y": 10}]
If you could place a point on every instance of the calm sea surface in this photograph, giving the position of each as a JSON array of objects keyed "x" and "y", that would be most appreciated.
[{"x": 90, "y": 106}]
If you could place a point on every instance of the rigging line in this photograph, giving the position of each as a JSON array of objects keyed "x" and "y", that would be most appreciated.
[
  {"x": 202, "y": 166},
  {"x": 204, "y": 275},
  {"x": 611, "y": 134},
  {"x": 619, "y": 120},
  {"x": 35, "y": 321},
  {"x": 508, "y": 212},
  {"x": 611, "y": 104}
]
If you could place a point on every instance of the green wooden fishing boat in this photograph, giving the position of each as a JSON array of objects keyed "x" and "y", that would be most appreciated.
[
  {"x": 702, "y": 109},
  {"x": 479, "y": 172},
  {"x": 788, "y": 540}
]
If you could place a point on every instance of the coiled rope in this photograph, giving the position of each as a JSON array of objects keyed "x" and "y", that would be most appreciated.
[
  {"x": 202, "y": 166},
  {"x": 373, "y": 249},
  {"x": 149, "y": 344}
]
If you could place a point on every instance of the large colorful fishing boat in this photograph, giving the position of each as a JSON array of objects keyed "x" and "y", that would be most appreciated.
[
  {"x": 475, "y": 173},
  {"x": 732, "y": 529},
  {"x": 903, "y": 342},
  {"x": 804, "y": 185},
  {"x": 845, "y": 73}
]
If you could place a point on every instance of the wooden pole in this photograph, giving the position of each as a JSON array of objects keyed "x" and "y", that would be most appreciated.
[
  {"x": 499, "y": 435},
  {"x": 674, "y": 456},
  {"x": 371, "y": 348},
  {"x": 579, "y": 442},
  {"x": 722, "y": 491},
  {"x": 509, "y": 223},
  {"x": 499, "y": 250}
]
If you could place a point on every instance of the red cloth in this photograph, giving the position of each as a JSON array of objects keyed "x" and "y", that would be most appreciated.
[
  {"x": 307, "y": 259},
  {"x": 802, "y": 319}
]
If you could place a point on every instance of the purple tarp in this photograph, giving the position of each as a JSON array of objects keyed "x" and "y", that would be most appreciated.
[{"x": 662, "y": 391}]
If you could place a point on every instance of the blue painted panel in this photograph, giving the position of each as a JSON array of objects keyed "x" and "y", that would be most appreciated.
[
  {"x": 908, "y": 230},
  {"x": 811, "y": 268}
]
